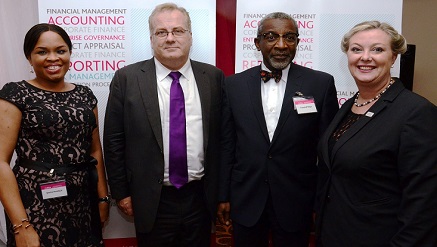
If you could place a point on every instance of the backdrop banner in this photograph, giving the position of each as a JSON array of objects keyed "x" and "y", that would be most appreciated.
[
  {"x": 108, "y": 35},
  {"x": 321, "y": 25}
]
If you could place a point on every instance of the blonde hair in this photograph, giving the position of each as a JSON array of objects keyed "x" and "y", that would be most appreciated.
[{"x": 398, "y": 42}]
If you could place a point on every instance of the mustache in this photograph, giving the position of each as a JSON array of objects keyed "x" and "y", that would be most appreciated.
[{"x": 280, "y": 54}]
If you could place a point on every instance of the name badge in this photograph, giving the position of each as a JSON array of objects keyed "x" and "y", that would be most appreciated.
[
  {"x": 54, "y": 189},
  {"x": 304, "y": 105}
]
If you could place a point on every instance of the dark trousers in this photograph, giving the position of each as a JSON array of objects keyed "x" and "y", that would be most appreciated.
[
  {"x": 182, "y": 219},
  {"x": 258, "y": 235}
]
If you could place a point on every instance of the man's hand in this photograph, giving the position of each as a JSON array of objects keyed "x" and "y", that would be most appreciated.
[
  {"x": 125, "y": 205},
  {"x": 223, "y": 211}
]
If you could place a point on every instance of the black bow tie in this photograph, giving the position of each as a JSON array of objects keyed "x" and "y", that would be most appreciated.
[{"x": 266, "y": 76}]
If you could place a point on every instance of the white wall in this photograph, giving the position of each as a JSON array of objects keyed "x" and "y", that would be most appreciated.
[{"x": 16, "y": 17}]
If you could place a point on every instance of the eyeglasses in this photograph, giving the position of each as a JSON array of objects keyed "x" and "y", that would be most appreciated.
[
  {"x": 289, "y": 38},
  {"x": 177, "y": 33}
]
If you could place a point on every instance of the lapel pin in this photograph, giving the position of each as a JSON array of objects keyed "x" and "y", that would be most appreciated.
[{"x": 369, "y": 114}]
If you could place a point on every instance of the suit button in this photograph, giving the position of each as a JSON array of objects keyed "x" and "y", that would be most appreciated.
[
  {"x": 266, "y": 181},
  {"x": 160, "y": 181},
  {"x": 270, "y": 156},
  {"x": 328, "y": 198}
]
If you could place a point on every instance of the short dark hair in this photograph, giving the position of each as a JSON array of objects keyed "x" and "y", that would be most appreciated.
[{"x": 32, "y": 36}]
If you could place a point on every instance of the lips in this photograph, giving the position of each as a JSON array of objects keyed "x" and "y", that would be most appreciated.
[
  {"x": 280, "y": 56},
  {"x": 366, "y": 68},
  {"x": 53, "y": 68}
]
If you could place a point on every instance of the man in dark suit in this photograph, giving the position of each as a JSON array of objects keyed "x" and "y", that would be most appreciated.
[
  {"x": 163, "y": 169},
  {"x": 270, "y": 130}
]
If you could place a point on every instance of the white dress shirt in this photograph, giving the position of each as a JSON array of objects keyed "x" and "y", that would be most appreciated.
[
  {"x": 193, "y": 118},
  {"x": 272, "y": 96}
]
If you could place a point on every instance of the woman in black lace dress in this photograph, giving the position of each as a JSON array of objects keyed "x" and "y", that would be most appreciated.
[{"x": 51, "y": 195}]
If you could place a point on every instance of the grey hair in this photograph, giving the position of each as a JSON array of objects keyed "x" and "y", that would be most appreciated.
[
  {"x": 276, "y": 15},
  {"x": 168, "y": 7}
]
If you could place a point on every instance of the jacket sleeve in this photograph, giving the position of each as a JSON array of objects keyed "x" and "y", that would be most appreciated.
[
  {"x": 227, "y": 141},
  {"x": 417, "y": 167},
  {"x": 330, "y": 106},
  {"x": 114, "y": 140}
]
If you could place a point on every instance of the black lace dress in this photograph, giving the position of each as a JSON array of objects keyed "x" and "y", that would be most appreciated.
[{"x": 56, "y": 128}]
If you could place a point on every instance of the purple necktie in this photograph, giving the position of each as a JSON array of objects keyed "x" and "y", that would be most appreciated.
[{"x": 178, "y": 171}]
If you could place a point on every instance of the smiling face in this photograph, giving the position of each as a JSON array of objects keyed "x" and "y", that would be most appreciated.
[
  {"x": 50, "y": 58},
  {"x": 171, "y": 51},
  {"x": 277, "y": 55},
  {"x": 370, "y": 58}
]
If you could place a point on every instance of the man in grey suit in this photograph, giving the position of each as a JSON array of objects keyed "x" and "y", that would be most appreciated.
[
  {"x": 273, "y": 117},
  {"x": 162, "y": 169}
]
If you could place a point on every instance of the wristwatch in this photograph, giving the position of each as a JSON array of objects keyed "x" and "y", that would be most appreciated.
[{"x": 106, "y": 199}]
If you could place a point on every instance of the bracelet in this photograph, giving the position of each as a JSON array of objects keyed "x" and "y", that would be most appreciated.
[
  {"x": 25, "y": 227},
  {"x": 15, "y": 227},
  {"x": 106, "y": 199}
]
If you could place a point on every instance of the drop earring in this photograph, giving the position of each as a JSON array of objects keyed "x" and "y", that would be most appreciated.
[{"x": 31, "y": 69}]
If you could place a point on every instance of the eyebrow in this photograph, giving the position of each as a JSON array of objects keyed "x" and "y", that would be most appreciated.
[
  {"x": 370, "y": 45},
  {"x": 178, "y": 27},
  {"x": 43, "y": 47}
]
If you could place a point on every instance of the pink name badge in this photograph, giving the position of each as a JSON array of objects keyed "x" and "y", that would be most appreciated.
[
  {"x": 304, "y": 105},
  {"x": 53, "y": 189}
]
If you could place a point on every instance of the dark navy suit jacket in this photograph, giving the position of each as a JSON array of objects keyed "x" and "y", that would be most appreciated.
[{"x": 252, "y": 167}]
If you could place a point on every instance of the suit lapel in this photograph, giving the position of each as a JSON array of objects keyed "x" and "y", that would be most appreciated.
[
  {"x": 254, "y": 90},
  {"x": 344, "y": 110},
  {"x": 293, "y": 85},
  {"x": 147, "y": 83},
  {"x": 373, "y": 112},
  {"x": 357, "y": 126},
  {"x": 204, "y": 88}
]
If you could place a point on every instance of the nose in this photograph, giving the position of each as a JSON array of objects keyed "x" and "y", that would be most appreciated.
[
  {"x": 52, "y": 56},
  {"x": 366, "y": 56},
  {"x": 170, "y": 37},
  {"x": 280, "y": 43}
]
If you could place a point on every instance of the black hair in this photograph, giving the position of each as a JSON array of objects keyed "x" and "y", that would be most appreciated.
[{"x": 32, "y": 36}]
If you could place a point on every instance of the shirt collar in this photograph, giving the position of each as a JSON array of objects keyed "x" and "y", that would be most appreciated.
[{"x": 162, "y": 72}]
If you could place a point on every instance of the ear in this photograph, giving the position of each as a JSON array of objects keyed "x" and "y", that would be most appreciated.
[
  {"x": 393, "y": 59},
  {"x": 256, "y": 41}
]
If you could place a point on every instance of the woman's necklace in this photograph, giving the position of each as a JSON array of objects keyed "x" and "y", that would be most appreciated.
[{"x": 376, "y": 97}]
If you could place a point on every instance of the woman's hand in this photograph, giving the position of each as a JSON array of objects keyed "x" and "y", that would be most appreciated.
[
  {"x": 104, "y": 212},
  {"x": 26, "y": 236}
]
